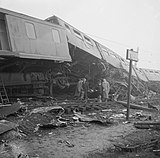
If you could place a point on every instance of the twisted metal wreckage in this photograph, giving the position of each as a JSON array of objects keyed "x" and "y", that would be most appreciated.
[{"x": 46, "y": 57}]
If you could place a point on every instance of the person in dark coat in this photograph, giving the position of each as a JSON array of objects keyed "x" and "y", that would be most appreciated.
[
  {"x": 100, "y": 91},
  {"x": 85, "y": 88}
]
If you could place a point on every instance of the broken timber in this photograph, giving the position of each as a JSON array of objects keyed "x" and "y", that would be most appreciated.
[
  {"x": 134, "y": 148},
  {"x": 147, "y": 125},
  {"x": 136, "y": 106}
]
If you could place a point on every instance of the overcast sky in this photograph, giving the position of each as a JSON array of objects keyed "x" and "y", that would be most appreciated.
[{"x": 118, "y": 24}]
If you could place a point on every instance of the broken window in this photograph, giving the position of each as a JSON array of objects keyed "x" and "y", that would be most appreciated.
[
  {"x": 88, "y": 41},
  {"x": 68, "y": 28},
  {"x": 111, "y": 54},
  {"x": 77, "y": 34},
  {"x": 104, "y": 50}
]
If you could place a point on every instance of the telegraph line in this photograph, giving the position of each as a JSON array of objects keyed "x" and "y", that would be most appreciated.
[{"x": 119, "y": 43}]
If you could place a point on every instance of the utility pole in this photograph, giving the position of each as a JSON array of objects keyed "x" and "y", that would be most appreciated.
[{"x": 132, "y": 56}]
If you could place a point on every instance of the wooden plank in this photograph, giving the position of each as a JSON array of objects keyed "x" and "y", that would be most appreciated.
[{"x": 136, "y": 106}]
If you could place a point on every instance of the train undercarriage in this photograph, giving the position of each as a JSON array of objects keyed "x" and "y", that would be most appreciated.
[{"x": 28, "y": 77}]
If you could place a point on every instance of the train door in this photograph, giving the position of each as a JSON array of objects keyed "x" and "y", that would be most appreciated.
[{"x": 4, "y": 44}]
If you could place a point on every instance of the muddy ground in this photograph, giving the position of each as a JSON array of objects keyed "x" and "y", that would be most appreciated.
[{"x": 79, "y": 139}]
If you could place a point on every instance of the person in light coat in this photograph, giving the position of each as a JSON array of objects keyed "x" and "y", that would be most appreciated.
[
  {"x": 79, "y": 89},
  {"x": 106, "y": 89}
]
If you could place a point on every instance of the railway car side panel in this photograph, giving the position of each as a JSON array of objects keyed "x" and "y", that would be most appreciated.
[
  {"x": 37, "y": 40},
  {"x": 76, "y": 37}
]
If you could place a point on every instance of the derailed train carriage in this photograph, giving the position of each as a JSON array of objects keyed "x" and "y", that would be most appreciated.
[
  {"x": 46, "y": 57},
  {"x": 36, "y": 57},
  {"x": 30, "y": 49},
  {"x": 114, "y": 67}
]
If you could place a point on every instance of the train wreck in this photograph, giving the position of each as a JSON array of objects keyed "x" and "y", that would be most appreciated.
[
  {"x": 41, "y": 64},
  {"x": 27, "y": 69}
]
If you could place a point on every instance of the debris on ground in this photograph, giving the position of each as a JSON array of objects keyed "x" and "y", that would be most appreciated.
[
  {"x": 53, "y": 124},
  {"x": 76, "y": 132},
  {"x": 147, "y": 125},
  {"x": 94, "y": 119},
  {"x": 136, "y": 106},
  {"x": 135, "y": 148},
  {"x": 55, "y": 110}
]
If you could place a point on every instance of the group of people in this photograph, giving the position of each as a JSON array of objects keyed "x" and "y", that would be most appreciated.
[{"x": 83, "y": 87}]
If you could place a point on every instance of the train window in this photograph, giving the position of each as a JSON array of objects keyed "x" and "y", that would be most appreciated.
[
  {"x": 88, "y": 41},
  {"x": 124, "y": 62},
  {"x": 105, "y": 51},
  {"x": 30, "y": 30},
  {"x": 67, "y": 27},
  {"x": 56, "y": 36},
  {"x": 111, "y": 54},
  {"x": 77, "y": 34}
]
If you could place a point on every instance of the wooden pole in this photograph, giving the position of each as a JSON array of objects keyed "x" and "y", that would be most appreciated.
[{"x": 129, "y": 90}]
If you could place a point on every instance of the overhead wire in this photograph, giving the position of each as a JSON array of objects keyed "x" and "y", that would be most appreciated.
[{"x": 122, "y": 44}]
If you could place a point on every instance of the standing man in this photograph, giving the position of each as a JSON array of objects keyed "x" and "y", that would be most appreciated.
[
  {"x": 85, "y": 88},
  {"x": 100, "y": 91},
  {"x": 79, "y": 89},
  {"x": 106, "y": 89}
]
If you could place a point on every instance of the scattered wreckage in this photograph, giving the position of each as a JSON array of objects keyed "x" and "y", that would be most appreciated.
[
  {"x": 49, "y": 72},
  {"x": 148, "y": 125},
  {"x": 134, "y": 148}
]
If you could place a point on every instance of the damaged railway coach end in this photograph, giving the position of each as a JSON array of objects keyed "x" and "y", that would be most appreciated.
[{"x": 30, "y": 50}]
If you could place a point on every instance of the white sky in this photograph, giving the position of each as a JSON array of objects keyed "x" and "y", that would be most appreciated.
[{"x": 118, "y": 24}]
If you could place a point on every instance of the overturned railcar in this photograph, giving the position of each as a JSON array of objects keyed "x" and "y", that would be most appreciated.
[
  {"x": 32, "y": 53},
  {"x": 86, "y": 57},
  {"x": 84, "y": 49}
]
